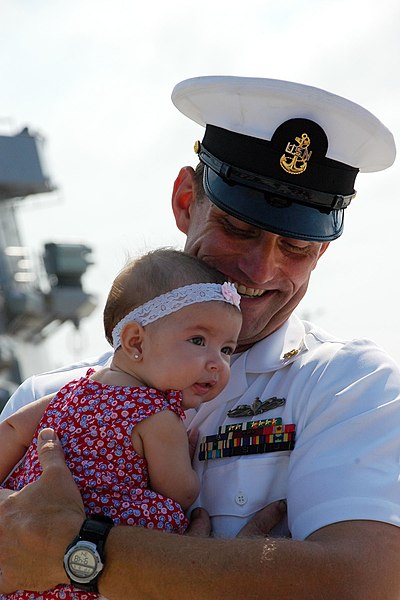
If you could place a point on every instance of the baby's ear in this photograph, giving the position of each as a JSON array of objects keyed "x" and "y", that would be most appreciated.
[{"x": 131, "y": 339}]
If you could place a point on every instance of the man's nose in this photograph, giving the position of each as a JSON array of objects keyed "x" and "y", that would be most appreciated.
[{"x": 262, "y": 260}]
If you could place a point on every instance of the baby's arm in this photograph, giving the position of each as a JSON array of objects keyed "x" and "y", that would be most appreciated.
[
  {"x": 16, "y": 433},
  {"x": 165, "y": 446}
]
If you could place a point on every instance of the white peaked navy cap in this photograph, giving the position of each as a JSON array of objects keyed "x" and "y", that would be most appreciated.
[{"x": 282, "y": 156}]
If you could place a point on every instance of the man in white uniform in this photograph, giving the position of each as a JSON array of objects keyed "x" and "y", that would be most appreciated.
[{"x": 306, "y": 417}]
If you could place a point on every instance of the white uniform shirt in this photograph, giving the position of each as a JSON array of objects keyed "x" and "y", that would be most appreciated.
[
  {"x": 40, "y": 385},
  {"x": 343, "y": 397}
]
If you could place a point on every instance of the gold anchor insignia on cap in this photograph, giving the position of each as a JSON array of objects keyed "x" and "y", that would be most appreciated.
[
  {"x": 257, "y": 408},
  {"x": 299, "y": 155}
]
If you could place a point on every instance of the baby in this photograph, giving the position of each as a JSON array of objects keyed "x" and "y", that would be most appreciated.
[{"x": 173, "y": 323}]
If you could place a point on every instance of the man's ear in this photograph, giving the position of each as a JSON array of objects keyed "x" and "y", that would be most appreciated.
[
  {"x": 324, "y": 246},
  {"x": 131, "y": 339},
  {"x": 183, "y": 197}
]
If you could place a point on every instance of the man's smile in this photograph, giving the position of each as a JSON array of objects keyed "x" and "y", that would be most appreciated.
[{"x": 249, "y": 292}]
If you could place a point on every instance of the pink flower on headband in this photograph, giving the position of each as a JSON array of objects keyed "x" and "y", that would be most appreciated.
[{"x": 230, "y": 293}]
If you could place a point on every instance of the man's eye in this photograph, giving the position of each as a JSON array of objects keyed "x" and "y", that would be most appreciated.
[
  {"x": 197, "y": 340},
  {"x": 296, "y": 248},
  {"x": 237, "y": 231}
]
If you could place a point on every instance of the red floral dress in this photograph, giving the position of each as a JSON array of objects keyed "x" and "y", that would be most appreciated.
[{"x": 94, "y": 422}]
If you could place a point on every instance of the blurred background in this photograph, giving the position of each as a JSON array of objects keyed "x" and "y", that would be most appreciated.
[{"x": 92, "y": 79}]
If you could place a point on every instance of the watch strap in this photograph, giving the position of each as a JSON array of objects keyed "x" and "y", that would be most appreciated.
[{"x": 95, "y": 529}]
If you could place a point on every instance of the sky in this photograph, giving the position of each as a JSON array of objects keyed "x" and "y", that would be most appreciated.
[{"x": 94, "y": 77}]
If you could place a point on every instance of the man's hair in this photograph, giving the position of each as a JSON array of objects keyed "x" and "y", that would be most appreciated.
[
  {"x": 155, "y": 273},
  {"x": 199, "y": 191}
]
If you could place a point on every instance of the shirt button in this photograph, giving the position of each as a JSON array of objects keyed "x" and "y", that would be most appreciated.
[{"x": 240, "y": 498}]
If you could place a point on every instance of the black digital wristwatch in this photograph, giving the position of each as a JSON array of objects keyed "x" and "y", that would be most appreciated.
[{"x": 84, "y": 557}]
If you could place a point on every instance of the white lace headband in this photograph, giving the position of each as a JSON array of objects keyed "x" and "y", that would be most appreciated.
[{"x": 168, "y": 303}]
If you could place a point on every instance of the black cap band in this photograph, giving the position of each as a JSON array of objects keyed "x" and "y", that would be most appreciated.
[
  {"x": 292, "y": 192},
  {"x": 293, "y": 164}
]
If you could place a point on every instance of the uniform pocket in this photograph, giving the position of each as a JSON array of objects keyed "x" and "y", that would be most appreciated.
[{"x": 243, "y": 485}]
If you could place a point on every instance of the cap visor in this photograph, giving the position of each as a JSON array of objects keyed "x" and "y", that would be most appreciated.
[{"x": 286, "y": 219}]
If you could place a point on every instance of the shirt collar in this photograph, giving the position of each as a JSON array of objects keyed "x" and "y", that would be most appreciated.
[
  {"x": 272, "y": 353},
  {"x": 278, "y": 349}
]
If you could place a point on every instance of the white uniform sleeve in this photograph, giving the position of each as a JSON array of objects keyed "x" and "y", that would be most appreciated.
[
  {"x": 46, "y": 383},
  {"x": 345, "y": 464}
]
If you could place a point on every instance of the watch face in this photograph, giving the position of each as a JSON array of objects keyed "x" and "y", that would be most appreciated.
[{"x": 82, "y": 563}]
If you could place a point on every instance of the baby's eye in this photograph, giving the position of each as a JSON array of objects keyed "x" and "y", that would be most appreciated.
[
  {"x": 228, "y": 350},
  {"x": 198, "y": 340}
]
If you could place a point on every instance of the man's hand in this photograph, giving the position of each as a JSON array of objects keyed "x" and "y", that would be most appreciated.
[
  {"x": 264, "y": 520},
  {"x": 38, "y": 523},
  {"x": 200, "y": 523},
  {"x": 260, "y": 525}
]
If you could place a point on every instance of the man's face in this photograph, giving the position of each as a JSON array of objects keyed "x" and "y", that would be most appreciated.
[{"x": 271, "y": 272}]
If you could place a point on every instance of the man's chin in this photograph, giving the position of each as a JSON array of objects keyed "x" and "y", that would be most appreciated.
[
  {"x": 248, "y": 337},
  {"x": 245, "y": 342}
]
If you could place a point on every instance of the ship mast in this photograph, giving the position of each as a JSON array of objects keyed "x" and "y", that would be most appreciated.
[{"x": 34, "y": 300}]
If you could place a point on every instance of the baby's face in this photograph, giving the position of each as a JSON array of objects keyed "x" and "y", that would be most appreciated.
[{"x": 190, "y": 350}]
